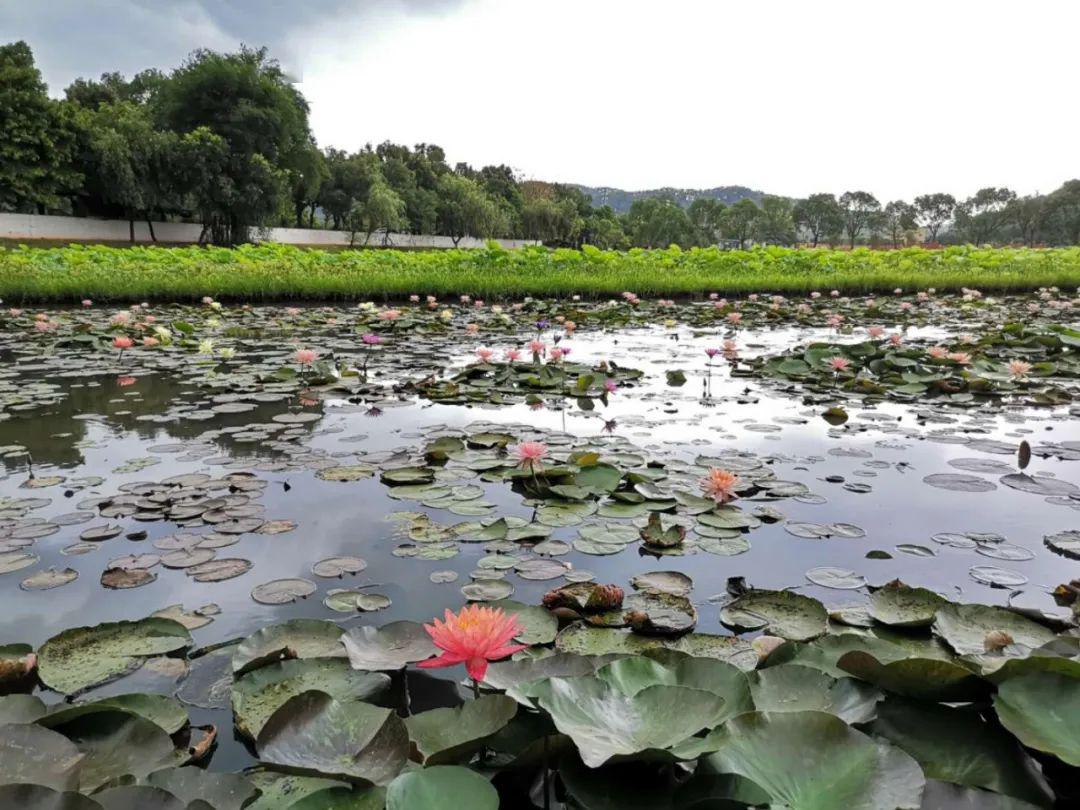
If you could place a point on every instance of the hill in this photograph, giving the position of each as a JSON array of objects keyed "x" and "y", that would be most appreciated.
[{"x": 620, "y": 200}]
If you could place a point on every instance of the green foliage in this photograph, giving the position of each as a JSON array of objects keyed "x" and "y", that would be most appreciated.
[
  {"x": 268, "y": 272},
  {"x": 36, "y": 137}
]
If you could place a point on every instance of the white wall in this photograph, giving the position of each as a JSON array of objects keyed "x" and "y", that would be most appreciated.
[{"x": 31, "y": 227}]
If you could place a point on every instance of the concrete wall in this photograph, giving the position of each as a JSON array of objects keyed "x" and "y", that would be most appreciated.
[{"x": 31, "y": 227}]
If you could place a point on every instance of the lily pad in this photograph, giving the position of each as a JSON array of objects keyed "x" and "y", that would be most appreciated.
[
  {"x": 442, "y": 736},
  {"x": 429, "y": 789},
  {"x": 780, "y": 613},
  {"x": 392, "y": 646},
  {"x": 259, "y": 693},
  {"x": 965, "y": 628},
  {"x": 312, "y": 733},
  {"x": 1040, "y": 709},
  {"x": 900, "y": 605},
  {"x": 83, "y": 657}
]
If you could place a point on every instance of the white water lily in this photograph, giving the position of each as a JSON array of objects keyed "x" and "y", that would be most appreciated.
[
  {"x": 228, "y": 353},
  {"x": 206, "y": 346}
]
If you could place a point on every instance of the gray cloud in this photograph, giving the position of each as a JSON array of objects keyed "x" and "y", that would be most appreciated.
[{"x": 73, "y": 38}]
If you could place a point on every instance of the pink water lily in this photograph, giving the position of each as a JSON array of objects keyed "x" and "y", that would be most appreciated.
[
  {"x": 305, "y": 357},
  {"x": 474, "y": 636},
  {"x": 529, "y": 454},
  {"x": 720, "y": 485},
  {"x": 1019, "y": 368},
  {"x": 838, "y": 364}
]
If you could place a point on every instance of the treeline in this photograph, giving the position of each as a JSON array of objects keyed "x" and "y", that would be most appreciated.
[
  {"x": 990, "y": 216},
  {"x": 224, "y": 140}
]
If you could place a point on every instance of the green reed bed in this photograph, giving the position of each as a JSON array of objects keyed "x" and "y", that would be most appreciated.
[{"x": 275, "y": 272}]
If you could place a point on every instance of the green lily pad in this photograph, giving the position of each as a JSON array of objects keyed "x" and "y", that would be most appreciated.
[
  {"x": 298, "y": 638},
  {"x": 221, "y": 791},
  {"x": 1040, "y": 709},
  {"x": 161, "y": 710},
  {"x": 923, "y": 678},
  {"x": 585, "y": 640},
  {"x": 35, "y": 755},
  {"x": 814, "y": 761},
  {"x": 965, "y": 628},
  {"x": 780, "y": 613},
  {"x": 442, "y": 736},
  {"x": 117, "y": 744},
  {"x": 957, "y": 745},
  {"x": 795, "y": 688},
  {"x": 538, "y": 625},
  {"x": 312, "y": 733},
  {"x": 392, "y": 646},
  {"x": 604, "y": 722},
  {"x": 899, "y": 605},
  {"x": 83, "y": 657},
  {"x": 261, "y": 692},
  {"x": 39, "y": 797},
  {"x": 430, "y": 788}
]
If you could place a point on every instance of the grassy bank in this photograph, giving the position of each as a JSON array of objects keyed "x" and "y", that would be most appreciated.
[{"x": 273, "y": 272}]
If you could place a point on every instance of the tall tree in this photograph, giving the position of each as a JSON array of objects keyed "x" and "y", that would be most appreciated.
[
  {"x": 37, "y": 140},
  {"x": 981, "y": 216},
  {"x": 705, "y": 215},
  {"x": 657, "y": 222},
  {"x": 1027, "y": 214},
  {"x": 738, "y": 220},
  {"x": 897, "y": 219},
  {"x": 776, "y": 223},
  {"x": 382, "y": 210},
  {"x": 819, "y": 215},
  {"x": 860, "y": 210},
  {"x": 306, "y": 172},
  {"x": 464, "y": 210},
  {"x": 1063, "y": 212},
  {"x": 933, "y": 211},
  {"x": 246, "y": 100},
  {"x": 128, "y": 165}
]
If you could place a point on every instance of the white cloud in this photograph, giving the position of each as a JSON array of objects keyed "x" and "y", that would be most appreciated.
[{"x": 790, "y": 97}]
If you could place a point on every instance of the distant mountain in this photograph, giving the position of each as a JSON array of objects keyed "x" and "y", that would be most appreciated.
[{"x": 620, "y": 200}]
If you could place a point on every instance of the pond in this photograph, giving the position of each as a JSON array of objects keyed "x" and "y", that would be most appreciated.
[{"x": 220, "y": 474}]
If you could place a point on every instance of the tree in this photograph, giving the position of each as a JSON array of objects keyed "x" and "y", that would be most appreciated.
[
  {"x": 128, "y": 166},
  {"x": 898, "y": 218},
  {"x": 113, "y": 87},
  {"x": 738, "y": 220},
  {"x": 1063, "y": 212},
  {"x": 933, "y": 211},
  {"x": 706, "y": 214},
  {"x": 776, "y": 223},
  {"x": 1028, "y": 215},
  {"x": 348, "y": 181},
  {"x": 306, "y": 172},
  {"x": 464, "y": 210},
  {"x": 245, "y": 100},
  {"x": 819, "y": 215},
  {"x": 37, "y": 139},
  {"x": 604, "y": 230},
  {"x": 860, "y": 210},
  {"x": 655, "y": 222},
  {"x": 382, "y": 210},
  {"x": 980, "y": 217}
]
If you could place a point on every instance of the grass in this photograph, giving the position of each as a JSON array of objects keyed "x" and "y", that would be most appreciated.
[{"x": 279, "y": 273}]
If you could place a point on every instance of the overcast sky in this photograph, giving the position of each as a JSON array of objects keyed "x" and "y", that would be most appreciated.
[{"x": 788, "y": 96}]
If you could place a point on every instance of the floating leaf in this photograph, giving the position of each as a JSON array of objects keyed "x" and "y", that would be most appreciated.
[{"x": 442, "y": 736}]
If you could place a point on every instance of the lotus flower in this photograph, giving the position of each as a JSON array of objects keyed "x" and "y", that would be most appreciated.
[
  {"x": 720, "y": 485},
  {"x": 838, "y": 364},
  {"x": 473, "y": 637},
  {"x": 529, "y": 454},
  {"x": 1019, "y": 368}
]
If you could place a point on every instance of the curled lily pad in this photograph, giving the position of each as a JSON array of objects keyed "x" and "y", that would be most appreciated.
[
  {"x": 83, "y": 657},
  {"x": 782, "y": 613},
  {"x": 392, "y": 646},
  {"x": 1066, "y": 543},
  {"x": 222, "y": 791},
  {"x": 442, "y": 736},
  {"x": 48, "y": 579},
  {"x": 815, "y": 761},
  {"x": 900, "y": 605},
  {"x": 429, "y": 788},
  {"x": 839, "y": 578},
  {"x": 585, "y": 640},
  {"x": 39, "y": 797},
  {"x": 30, "y": 754},
  {"x": 675, "y": 583},
  {"x": 338, "y": 566},
  {"x": 956, "y": 482},
  {"x": 298, "y": 638},
  {"x": 282, "y": 591},
  {"x": 313, "y": 733},
  {"x": 965, "y": 628},
  {"x": 259, "y": 693},
  {"x": 1040, "y": 708},
  {"x": 604, "y": 721},
  {"x": 958, "y": 745},
  {"x": 165, "y": 712},
  {"x": 922, "y": 678}
]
